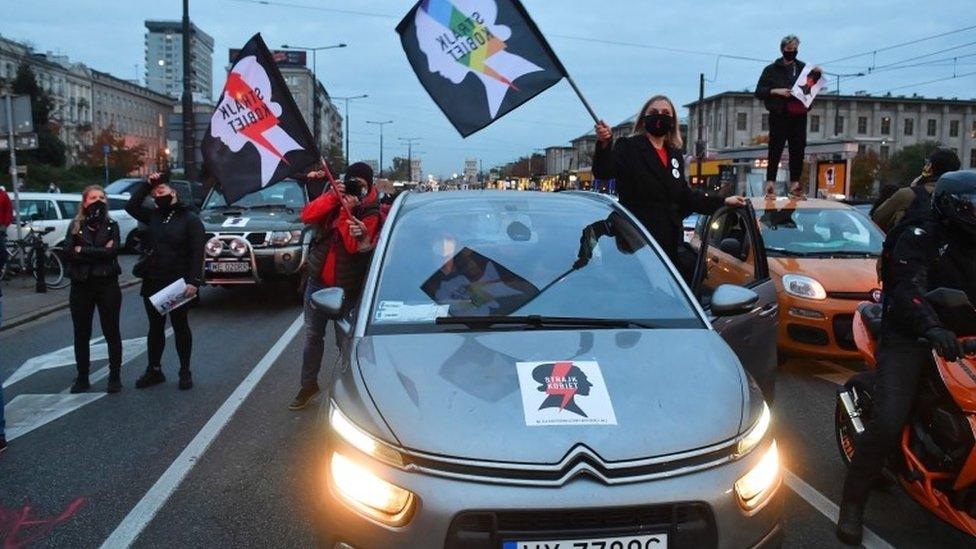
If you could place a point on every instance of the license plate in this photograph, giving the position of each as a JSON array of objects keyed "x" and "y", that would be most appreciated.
[
  {"x": 228, "y": 267},
  {"x": 625, "y": 542}
]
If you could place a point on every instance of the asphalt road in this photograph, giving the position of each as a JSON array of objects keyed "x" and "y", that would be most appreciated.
[{"x": 235, "y": 463}]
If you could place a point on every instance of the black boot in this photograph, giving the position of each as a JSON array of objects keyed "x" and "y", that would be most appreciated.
[
  {"x": 81, "y": 384},
  {"x": 153, "y": 376},
  {"x": 186, "y": 380},
  {"x": 114, "y": 382},
  {"x": 850, "y": 521}
]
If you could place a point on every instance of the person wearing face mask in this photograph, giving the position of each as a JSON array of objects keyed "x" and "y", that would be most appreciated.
[
  {"x": 650, "y": 181},
  {"x": 787, "y": 115},
  {"x": 92, "y": 250},
  {"x": 174, "y": 245}
]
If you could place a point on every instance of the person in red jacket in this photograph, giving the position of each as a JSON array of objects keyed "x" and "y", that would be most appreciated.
[{"x": 348, "y": 224}]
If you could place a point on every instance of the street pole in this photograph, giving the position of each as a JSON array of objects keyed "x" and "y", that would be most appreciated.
[
  {"x": 380, "y": 124},
  {"x": 189, "y": 147},
  {"x": 700, "y": 141},
  {"x": 105, "y": 149},
  {"x": 13, "y": 169},
  {"x": 316, "y": 133},
  {"x": 346, "y": 121}
]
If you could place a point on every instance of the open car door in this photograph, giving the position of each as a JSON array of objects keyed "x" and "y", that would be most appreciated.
[{"x": 731, "y": 251}]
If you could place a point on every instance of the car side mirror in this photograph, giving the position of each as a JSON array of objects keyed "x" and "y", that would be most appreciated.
[
  {"x": 329, "y": 301},
  {"x": 731, "y": 300},
  {"x": 731, "y": 246}
]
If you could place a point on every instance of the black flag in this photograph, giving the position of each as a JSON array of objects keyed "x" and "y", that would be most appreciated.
[
  {"x": 478, "y": 59},
  {"x": 257, "y": 135}
]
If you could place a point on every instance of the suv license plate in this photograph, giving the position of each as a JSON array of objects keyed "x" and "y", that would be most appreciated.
[
  {"x": 659, "y": 541},
  {"x": 228, "y": 267}
]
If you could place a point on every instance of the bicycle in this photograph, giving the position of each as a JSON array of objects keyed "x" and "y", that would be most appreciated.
[{"x": 53, "y": 273}]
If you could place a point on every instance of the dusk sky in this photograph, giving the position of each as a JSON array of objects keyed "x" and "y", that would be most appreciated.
[{"x": 613, "y": 49}]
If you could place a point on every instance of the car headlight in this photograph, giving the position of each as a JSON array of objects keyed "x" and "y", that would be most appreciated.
[
  {"x": 284, "y": 238},
  {"x": 369, "y": 493},
  {"x": 362, "y": 440},
  {"x": 755, "y": 434},
  {"x": 238, "y": 247},
  {"x": 803, "y": 286},
  {"x": 756, "y": 487},
  {"x": 213, "y": 247}
]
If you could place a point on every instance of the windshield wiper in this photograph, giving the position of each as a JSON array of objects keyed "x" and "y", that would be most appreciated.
[
  {"x": 537, "y": 321},
  {"x": 270, "y": 206},
  {"x": 841, "y": 253},
  {"x": 784, "y": 251}
]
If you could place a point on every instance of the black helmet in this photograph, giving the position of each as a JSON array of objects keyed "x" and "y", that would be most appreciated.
[{"x": 954, "y": 202}]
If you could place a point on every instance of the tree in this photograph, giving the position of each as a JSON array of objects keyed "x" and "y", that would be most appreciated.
[
  {"x": 905, "y": 165},
  {"x": 121, "y": 158},
  {"x": 400, "y": 171},
  {"x": 864, "y": 172},
  {"x": 51, "y": 150},
  {"x": 336, "y": 160}
]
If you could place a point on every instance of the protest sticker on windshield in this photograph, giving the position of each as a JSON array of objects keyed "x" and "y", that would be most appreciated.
[
  {"x": 564, "y": 392},
  {"x": 235, "y": 222}
]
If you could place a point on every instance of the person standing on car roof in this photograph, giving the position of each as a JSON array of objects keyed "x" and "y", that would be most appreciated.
[
  {"x": 916, "y": 198},
  {"x": 938, "y": 252},
  {"x": 92, "y": 249},
  {"x": 649, "y": 172},
  {"x": 174, "y": 240},
  {"x": 338, "y": 257}
]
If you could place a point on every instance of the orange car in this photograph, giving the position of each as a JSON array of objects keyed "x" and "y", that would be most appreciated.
[{"x": 822, "y": 258}]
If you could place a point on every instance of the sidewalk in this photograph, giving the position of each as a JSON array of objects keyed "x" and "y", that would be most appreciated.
[{"x": 22, "y": 304}]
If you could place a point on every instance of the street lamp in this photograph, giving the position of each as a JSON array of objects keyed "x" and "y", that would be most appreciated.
[
  {"x": 346, "y": 122},
  {"x": 381, "y": 124},
  {"x": 315, "y": 95}
]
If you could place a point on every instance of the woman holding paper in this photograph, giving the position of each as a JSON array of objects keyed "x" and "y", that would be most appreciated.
[
  {"x": 175, "y": 239},
  {"x": 92, "y": 246},
  {"x": 649, "y": 171}
]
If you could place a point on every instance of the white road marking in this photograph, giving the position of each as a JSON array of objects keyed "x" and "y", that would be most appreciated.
[
  {"x": 128, "y": 355},
  {"x": 64, "y": 356},
  {"x": 135, "y": 522},
  {"x": 828, "y": 508},
  {"x": 28, "y": 412}
]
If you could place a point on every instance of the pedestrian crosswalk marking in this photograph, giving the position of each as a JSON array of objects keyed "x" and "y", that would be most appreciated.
[{"x": 28, "y": 412}]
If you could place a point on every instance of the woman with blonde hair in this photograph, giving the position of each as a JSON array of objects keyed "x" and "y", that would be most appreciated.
[
  {"x": 649, "y": 171},
  {"x": 92, "y": 248}
]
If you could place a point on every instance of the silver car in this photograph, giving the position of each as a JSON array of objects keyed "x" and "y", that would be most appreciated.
[{"x": 527, "y": 370}]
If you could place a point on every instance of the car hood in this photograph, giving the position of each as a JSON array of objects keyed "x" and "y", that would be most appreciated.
[
  {"x": 459, "y": 395},
  {"x": 257, "y": 220},
  {"x": 836, "y": 274}
]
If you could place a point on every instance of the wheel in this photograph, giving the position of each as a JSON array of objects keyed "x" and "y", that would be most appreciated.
[
  {"x": 844, "y": 435},
  {"x": 54, "y": 270}
]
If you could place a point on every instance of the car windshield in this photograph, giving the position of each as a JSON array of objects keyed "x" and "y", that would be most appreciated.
[
  {"x": 287, "y": 193},
  {"x": 819, "y": 231},
  {"x": 493, "y": 257}
]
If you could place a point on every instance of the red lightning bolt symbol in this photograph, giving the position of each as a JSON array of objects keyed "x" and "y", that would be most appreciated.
[
  {"x": 559, "y": 372},
  {"x": 238, "y": 89}
]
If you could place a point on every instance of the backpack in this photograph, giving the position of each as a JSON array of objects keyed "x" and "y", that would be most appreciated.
[{"x": 318, "y": 248}]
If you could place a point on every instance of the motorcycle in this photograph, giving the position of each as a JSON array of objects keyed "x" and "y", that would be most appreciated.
[{"x": 935, "y": 463}]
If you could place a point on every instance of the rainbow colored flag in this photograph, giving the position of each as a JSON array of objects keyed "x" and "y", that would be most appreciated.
[{"x": 446, "y": 41}]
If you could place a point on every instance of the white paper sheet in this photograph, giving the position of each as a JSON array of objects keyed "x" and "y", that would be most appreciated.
[
  {"x": 806, "y": 93},
  {"x": 170, "y": 297}
]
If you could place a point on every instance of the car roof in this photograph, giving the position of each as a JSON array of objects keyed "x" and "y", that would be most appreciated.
[
  {"x": 782, "y": 202},
  {"x": 68, "y": 197},
  {"x": 567, "y": 197}
]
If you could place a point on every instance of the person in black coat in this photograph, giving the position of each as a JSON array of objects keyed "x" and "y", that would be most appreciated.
[
  {"x": 787, "y": 115},
  {"x": 173, "y": 245},
  {"x": 649, "y": 172},
  {"x": 92, "y": 248}
]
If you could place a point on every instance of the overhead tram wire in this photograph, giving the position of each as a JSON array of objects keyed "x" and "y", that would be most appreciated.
[
  {"x": 314, "y": 8},
  {"x": 902, "y": 44},
  {"x": 953, "y": 77}
]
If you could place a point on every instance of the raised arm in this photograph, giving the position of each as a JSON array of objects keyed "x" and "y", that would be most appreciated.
[{"x": 134, "y": 205}]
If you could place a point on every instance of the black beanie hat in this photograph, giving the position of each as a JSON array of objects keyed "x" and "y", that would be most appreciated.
[
  {"x": 943, "y": 160},
  {"x": 360, "y": 169}
]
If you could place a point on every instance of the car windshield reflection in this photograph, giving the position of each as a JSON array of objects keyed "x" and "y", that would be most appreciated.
[{"x": 812, "y": 232}]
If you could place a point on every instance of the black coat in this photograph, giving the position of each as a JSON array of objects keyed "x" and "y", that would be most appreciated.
[
  {"x": 657, "y": 195},
  {"x": 173, "y": 242},
  {"x": 94, "y": 259},
  {"x": 777, "y": 75}
]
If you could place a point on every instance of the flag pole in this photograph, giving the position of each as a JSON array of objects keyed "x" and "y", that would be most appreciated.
[
  {"x": 580, "y": 95},
  {"x": 333, "y": 185}
]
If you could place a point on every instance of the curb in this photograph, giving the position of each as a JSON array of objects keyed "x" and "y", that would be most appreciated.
[{"x": 51, "y": 309}]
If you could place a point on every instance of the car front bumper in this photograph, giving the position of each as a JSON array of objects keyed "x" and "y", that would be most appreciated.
[
  {"x": 817, "y": 328},
  {"x": 444, "y": 505},
  {"x": 264, "y": 264}
]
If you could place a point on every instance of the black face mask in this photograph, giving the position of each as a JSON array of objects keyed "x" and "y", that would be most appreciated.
[
  {"x": 790, "y": 55},
  {"x": 658, "y": 124},
  {"x": 95, "y": 212},
  {"x": 163, "y": 202}
]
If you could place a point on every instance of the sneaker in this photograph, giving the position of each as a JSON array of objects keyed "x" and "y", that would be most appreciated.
[
  {"x": 81, "y": 385},
  {"x": 153, "y": 376},
  {"x": 186, "y": 380},
  {"x": 304, "y": 396},
  {"x": 114, "y": 384}
]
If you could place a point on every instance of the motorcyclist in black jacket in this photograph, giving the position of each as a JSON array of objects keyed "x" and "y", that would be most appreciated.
[
  {"x": 937, "y": 252},
  {"x": 173, "y": 243}
]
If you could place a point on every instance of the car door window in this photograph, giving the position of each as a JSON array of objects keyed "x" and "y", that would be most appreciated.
[
  {"x": 730, "y": 253},
  {"x": 69, "y": 209},
  {"x": 116, "y": 204},
  {"x": 37, "y": 210}
]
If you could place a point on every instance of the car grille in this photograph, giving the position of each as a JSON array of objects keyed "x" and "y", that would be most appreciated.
[
  {"x": 257, "y": 239},
  {"x": 844, "y": 332},
  {"x": 807, "y": 334},
  {"x": 687, "y": 525}
]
